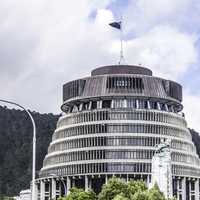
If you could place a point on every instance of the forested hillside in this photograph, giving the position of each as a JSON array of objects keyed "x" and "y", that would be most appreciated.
[
  {"x": 196, "y": 140},
  {"x": 16, "y": 147}
]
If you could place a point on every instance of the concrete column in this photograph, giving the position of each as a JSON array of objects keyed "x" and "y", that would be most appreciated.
[
  {"x": 137, "y": 103},
  {"x": 68, "y": 184},
  {"x": 166, "y": 107},
  {"x": 106, "y": 179},
  {"x": 158, "y": 106},
  {"x": 148, "y": 181},
  {"x": 53, "y": 188},
  {"x": 89, "y": 182},
  {"x": 36, "y": 190},
  {"x": 177, "y": 188},
  {"x": 148, "y": 105},
  {"x": 73, "y": 181},
  {"x": 42, "y": 190},
  {"x": 127, "y": 178},
  {"x": 58, "y": 192},
  {"x": 197, "y": 189},
  {"x": 190, "y": 190},
  {"x": 47, "y": 193},
  {"x": 183, "y": 182},
  {"x": 86, "y": 183}
]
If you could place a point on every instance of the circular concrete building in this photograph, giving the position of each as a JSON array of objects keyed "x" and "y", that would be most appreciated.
[{"x": 111, "y": 124}]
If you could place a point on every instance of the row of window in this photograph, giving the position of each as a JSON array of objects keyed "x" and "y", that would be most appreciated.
[
  {"x": 119, "y": 115},
  {"x": 116, "y": 141},
  {"x": 115, "y": 154},
  {"x": 73, "y": 89},
  {"x": 98, "y": 168},
  {"x": 184, "y": 146},
  {"x": 104, "y": 141},
  {"x": 130, "y": 84},
  {"x": 92, "y": 168},
  {"x": 180, "y": 170},
  {"x": 123, "y": 128},
  {"x": 99, "y": 154},
  {"x": 121, "y": 103},
  {"x": 178, "y": 157}
]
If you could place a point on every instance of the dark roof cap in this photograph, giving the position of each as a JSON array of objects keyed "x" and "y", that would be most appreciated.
[{"x": 121, "y": 69}]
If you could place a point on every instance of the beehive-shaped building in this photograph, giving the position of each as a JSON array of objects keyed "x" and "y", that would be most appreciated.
[{"x": 111, "y": 124}]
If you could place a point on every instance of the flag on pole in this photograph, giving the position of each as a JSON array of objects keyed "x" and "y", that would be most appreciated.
[{"x": 116, "y": 25}]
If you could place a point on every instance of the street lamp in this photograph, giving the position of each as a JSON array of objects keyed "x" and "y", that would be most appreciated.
[
  {"x": 60, "y": 178},
  {"x": 34, "y": 143}
]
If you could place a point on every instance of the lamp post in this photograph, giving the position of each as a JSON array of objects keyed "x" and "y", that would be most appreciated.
[
  {"x": 34, "y": 143},
  {"x": 61, "y": 179}
]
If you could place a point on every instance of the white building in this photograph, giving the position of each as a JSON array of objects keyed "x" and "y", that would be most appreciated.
[
  {"x": 25, "y": 195},
  {"x": 111, "y": 124}
]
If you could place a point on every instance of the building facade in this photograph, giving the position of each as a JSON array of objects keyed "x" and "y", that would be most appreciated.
[
  {"x": 111, "y": 124},
  {"x": 24, "y": 195}
]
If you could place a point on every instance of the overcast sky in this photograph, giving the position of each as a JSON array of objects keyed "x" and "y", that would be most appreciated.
[{"x": 45, "y": 43}]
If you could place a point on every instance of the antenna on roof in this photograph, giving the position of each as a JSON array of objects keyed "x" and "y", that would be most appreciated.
[{"x": 119, "y": 25}]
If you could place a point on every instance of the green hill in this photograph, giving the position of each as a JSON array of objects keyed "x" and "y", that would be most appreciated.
[{"x": 16, "y": 147}]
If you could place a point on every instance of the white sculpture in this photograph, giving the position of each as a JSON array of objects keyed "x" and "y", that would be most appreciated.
[{"x": 161, "y": 168}]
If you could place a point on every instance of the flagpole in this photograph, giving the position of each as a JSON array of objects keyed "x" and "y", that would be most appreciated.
[
  {"x": 121, "y": 41},
  {"x": 119, "y": 25}
]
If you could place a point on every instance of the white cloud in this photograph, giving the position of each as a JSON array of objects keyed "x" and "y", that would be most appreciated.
[
  {"x": 142, "y": 15},
  {"x": 192, "y": 110},
  {"x": 168, "y": 52},
  {"x": 160, "y": 9},
  {"x": 47, "y": 43}
]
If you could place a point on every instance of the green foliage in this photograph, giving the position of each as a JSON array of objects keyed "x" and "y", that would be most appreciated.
[
  {"x": 16, "y": 147},
  {"x": 120, "y": 197},
  {"x": 5, "y": 197},
  {"x": 90, "y": 195},
  {"x": 74, "y": 193},
  {"x": 80, "y": 194},
  {"x": 136, "y": 187},
  {"x": 117, "y": 189},
  {"x": 156, "y": 194},
  {"x": 114, "y": 187},
  {"x": 140, "y": 195},
  {"x": 196, "y": 140}
]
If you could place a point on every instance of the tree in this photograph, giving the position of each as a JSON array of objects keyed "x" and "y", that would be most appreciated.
[
  {"x": 114, "y": 187},
  {"x": 90, "y": 195},
  {"x": 117, "y": 189},
  {"x": 156, "y": 194},
  {"x": 80, "y": 194},
  {"x": 136, "y": 187},
  {"x": 74, "y": 193},
  {"x": 120, "y": 197},
  {"x": 140, "y": 195},
  {"x": 16, "y": 149}
]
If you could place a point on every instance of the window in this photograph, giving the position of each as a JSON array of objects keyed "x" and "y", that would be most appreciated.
[
  {"x": 94, "y": 105},
  {"x": 106, "y": 104},
  {"x": 125, "y": 84}
]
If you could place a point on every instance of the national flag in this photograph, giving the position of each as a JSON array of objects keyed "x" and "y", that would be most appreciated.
[{"x": 116, "y": 25}]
